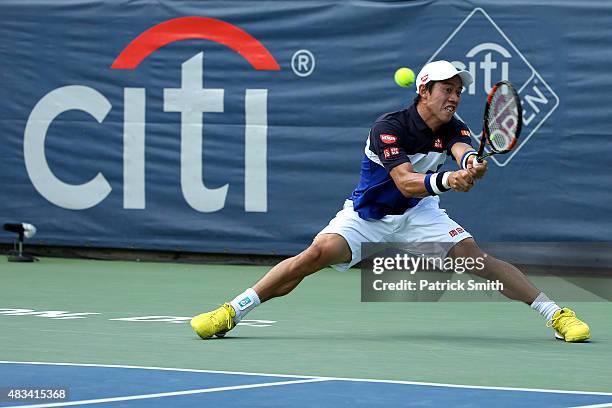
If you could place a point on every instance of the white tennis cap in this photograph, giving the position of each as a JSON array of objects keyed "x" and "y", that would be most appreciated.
[{"x": 439, "y": 71}]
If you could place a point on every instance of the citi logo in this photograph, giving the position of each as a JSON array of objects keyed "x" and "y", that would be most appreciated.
[
  {"x": 495, "y": 60},
  {"x": 190, "y": 100},
  {"x": 488, "y": 63}
]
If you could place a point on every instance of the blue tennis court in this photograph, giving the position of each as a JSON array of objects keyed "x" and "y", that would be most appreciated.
[{"x": 117, "y": 386}]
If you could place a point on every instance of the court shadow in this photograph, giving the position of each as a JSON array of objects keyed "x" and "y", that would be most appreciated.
[
  {"x": 476, "y": 339},
  {"x": 227, "y": 338}
]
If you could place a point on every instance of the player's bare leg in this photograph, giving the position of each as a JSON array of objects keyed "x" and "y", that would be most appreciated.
[
  {"x": 327, "y": 249},
  {"x": 516, "y": 286}
]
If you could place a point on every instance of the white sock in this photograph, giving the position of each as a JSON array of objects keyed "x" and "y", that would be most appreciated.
[
  {"x": 244, "y": 303},
  {"x": 543, "y": 305}
]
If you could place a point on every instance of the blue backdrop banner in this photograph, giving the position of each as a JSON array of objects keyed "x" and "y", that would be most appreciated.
[{"x": 239, "y": 126}]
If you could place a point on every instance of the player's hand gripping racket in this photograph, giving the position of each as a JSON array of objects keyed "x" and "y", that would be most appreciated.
[{"x": 503, "y": 120}]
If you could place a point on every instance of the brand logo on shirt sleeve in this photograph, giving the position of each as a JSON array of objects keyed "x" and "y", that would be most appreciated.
[
  {"x": 388, "y": 139},
  {"x": 391, "y": 152}
]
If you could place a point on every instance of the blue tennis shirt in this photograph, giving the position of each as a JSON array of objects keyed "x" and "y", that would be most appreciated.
[{"x": 396, "y": 138}]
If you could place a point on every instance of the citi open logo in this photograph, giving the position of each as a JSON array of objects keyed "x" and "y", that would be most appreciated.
[
  {"x": 190, "y": 101},
  {"x": 494, "y": 60}
]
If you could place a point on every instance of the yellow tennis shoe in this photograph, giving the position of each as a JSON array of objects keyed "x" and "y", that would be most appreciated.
[
  {"x": 568, "y": 327},
  {"x": 215, "y": 323}
]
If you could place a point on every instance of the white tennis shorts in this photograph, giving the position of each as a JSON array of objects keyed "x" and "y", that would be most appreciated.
[{"x": 422, "y": 224}]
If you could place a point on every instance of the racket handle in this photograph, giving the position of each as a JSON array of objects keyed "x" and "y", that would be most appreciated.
[{"x": 480, "y": 159}]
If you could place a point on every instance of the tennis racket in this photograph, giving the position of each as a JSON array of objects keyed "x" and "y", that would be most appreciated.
[{"x": 503, "y": 120}]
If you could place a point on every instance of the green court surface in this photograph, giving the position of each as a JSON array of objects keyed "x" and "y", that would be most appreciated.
[{"x": 321, "y": 329}]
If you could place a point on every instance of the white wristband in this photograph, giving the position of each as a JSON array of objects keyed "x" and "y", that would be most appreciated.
[
  {"x": 445, "y": 181},
  {"x": 437, "y": 183},
  {"x": 466, "y": 156}
]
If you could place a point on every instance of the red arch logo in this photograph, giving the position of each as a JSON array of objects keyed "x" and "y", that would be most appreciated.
[{"x": 186, "y": 28}]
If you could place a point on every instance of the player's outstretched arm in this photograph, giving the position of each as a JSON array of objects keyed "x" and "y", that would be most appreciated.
[{"x": 413, "y": 184}]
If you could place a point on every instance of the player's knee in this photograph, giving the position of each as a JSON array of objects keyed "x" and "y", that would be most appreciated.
[
  {"x": 312, "y": 259},
  {"x": 469, "y": 250},
  {"x": 326, "y": 250},
  {"x": 315, "y": 254},
  {"x": 466, "y": 249},
  {"x": 306, "y": 262}
]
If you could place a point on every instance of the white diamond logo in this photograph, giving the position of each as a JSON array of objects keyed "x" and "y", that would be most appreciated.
[{"x": 494, "y": 60}]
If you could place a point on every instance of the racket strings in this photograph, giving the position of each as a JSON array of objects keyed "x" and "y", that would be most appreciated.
[{"x": 503, "y": 119}]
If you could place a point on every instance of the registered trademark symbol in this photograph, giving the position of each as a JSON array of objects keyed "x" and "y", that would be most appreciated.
[{"x": 303, "y": 63}]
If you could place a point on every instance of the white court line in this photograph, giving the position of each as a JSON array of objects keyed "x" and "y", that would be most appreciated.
[
  {"x": 604, "y": 405},
  {"x": 187, "y": 370},
  {"x": 167, "y": 394},
  {"x": 446, "y": 385}
]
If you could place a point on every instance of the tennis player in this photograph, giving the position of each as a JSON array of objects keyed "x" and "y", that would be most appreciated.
[{"x": 397, "y": 200}]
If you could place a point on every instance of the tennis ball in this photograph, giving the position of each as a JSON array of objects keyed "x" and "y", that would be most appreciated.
[{"x": 404, "y": 77}]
